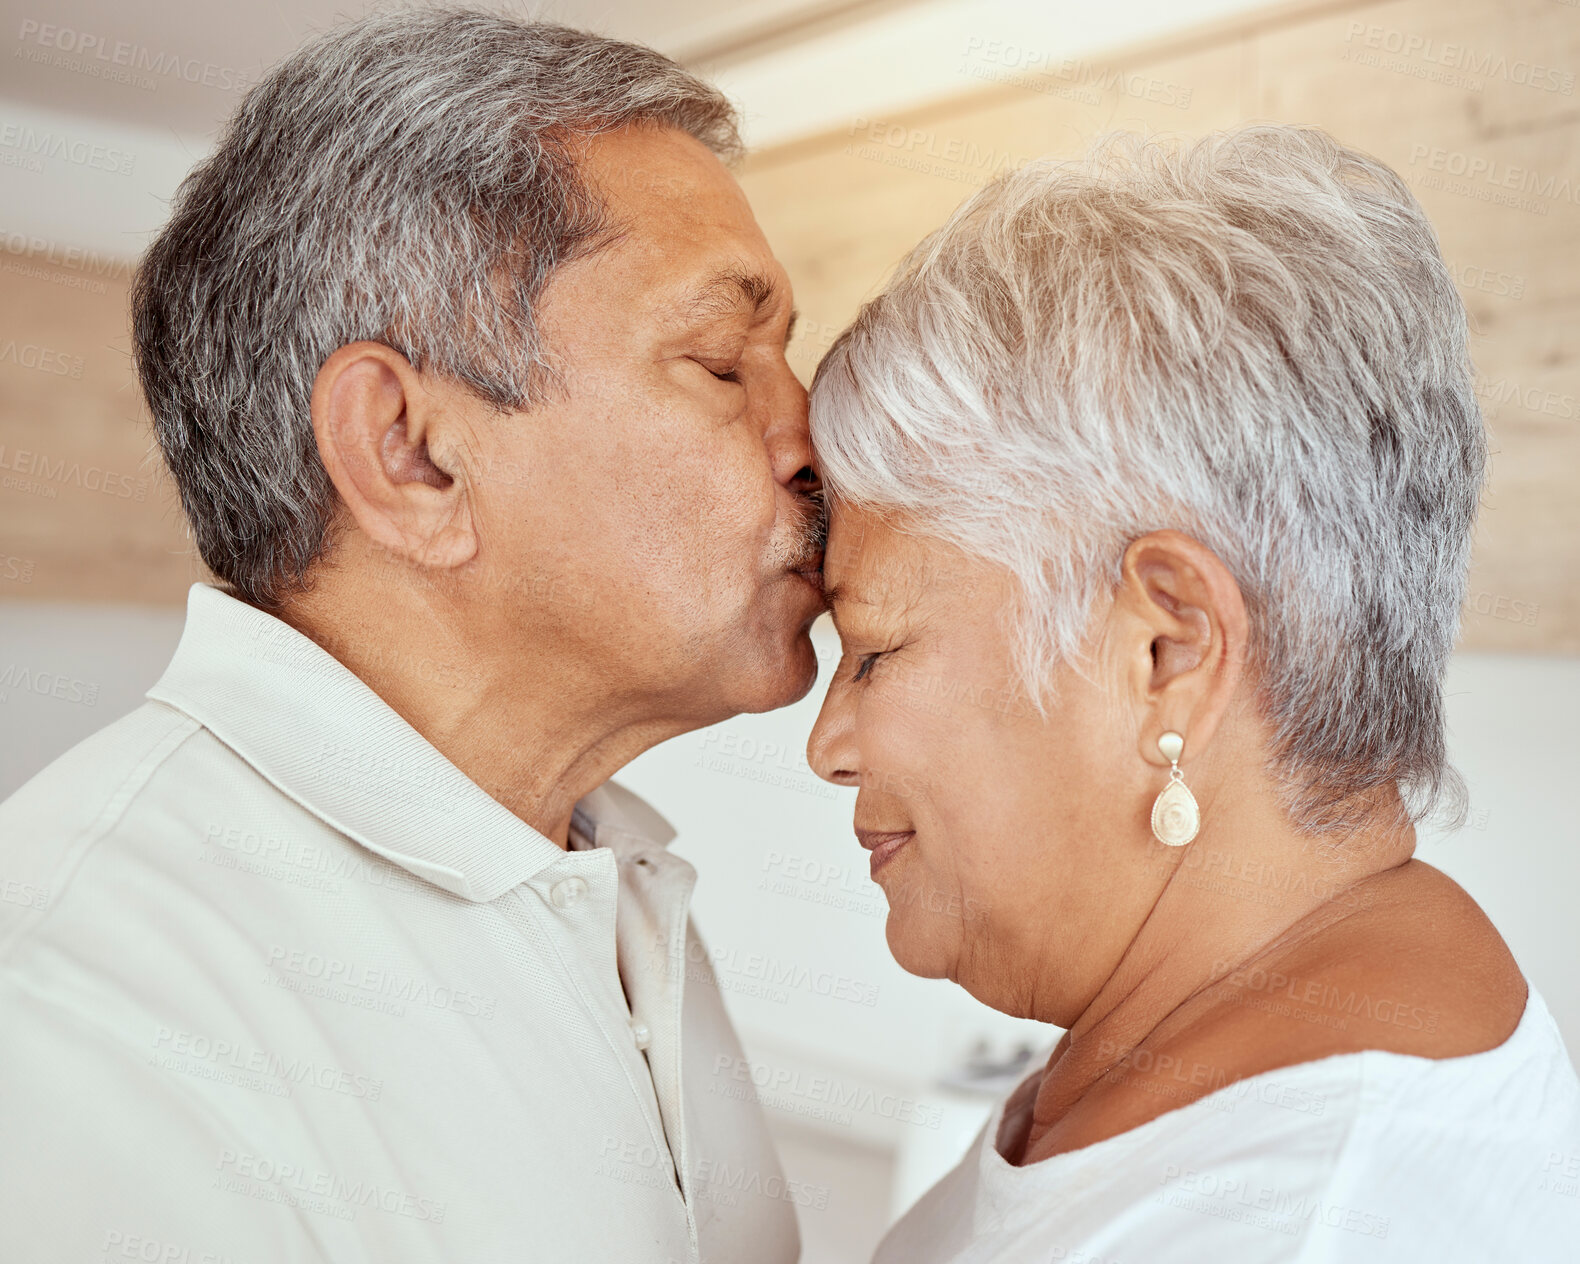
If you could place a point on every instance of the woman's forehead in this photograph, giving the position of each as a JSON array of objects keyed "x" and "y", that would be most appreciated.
[{"x": 872, "y": 567}]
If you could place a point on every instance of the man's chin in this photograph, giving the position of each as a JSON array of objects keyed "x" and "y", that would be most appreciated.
[{"x": 786, "y": 679}]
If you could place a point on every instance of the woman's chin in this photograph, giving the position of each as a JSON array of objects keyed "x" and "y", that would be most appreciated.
[{"x": 916, "y": 953}]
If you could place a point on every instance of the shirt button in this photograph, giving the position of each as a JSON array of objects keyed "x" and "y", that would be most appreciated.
[
  {"x": 567, "y": 892},
  {"x": 641, "y": 1035}
]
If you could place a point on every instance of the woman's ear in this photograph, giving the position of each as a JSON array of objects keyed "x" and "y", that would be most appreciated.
[
  {"x": 1183, "y": 630},
  {"x": 375, "y": 422}
]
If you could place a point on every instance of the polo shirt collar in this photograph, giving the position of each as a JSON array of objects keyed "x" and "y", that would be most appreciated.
[{"x": 314, "y": 729}]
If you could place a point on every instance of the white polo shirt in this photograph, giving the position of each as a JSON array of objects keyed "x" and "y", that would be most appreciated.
[
  {"x": 279, "y": 983},
  {"x": 1357, "y": 1158}
]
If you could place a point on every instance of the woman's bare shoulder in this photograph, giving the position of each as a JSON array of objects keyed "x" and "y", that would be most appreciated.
[{"x": 1415, "y": 968}]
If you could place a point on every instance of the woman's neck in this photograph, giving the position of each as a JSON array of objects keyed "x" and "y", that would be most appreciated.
[{"x": 1252, "y": 889}]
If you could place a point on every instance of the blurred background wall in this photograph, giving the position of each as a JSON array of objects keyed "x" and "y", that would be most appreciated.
[{"x": 870, "y": 122}]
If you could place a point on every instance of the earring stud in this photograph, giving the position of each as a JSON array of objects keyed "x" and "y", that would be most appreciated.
[{"x": 1175, "y": 816}]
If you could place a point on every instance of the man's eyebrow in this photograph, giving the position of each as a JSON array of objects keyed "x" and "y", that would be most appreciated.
[{"x": 727, "y": 291}]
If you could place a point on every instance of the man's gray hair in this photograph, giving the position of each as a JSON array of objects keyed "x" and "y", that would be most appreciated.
[
  {"x": 1252, "y": 339},
  {"x": 407, "y": 179}
]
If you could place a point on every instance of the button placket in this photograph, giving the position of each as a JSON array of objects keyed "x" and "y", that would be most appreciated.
[
  {"x": 672, "y": 889},
  {"x": 655, "y": 924},
  {"x": 564, "y": 896}
]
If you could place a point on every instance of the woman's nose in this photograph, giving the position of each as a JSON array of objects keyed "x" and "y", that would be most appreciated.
[{"x": 831, "y": 748}]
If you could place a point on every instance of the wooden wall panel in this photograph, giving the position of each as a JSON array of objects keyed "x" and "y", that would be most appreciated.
[
  {"x": 842, "y": 211},
  {"x": 1489, "y": 90},
  {"x": 1429, "y": 86},
  {"x": 86, "y": 510}
]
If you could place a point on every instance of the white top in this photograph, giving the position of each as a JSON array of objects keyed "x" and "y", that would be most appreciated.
[
  {"x": 1358, "y": 1157},
  {"x": 279, "y": 983}
]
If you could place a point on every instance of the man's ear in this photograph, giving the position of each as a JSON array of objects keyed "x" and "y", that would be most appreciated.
[
  {"x": 376, "y": 422},
  {"x": 1183, "y": 632}
]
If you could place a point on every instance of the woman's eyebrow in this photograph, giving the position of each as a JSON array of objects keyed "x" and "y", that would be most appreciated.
[{"x": 842, "y": 595}]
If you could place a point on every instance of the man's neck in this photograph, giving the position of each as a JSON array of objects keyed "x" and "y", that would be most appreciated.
[{"x": 536, "y": 734}]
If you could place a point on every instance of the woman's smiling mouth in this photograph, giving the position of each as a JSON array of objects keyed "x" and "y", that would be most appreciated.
[{"x": 883, "y": 844}]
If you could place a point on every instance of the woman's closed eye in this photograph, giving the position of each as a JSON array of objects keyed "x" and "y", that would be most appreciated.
[{"x": 864, "y": 664}]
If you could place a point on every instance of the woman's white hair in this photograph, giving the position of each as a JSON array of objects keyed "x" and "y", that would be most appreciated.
[{"x": 1252, "y": 339}]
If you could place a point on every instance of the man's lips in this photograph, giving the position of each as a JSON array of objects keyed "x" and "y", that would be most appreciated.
[
  {"x": 811, "y": 569},
  {"x": 811, "y": 574},
  {"x": 883, "y": 844}
]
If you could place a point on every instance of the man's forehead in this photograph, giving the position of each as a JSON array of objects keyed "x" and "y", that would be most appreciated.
[
  {"x": 680, "y": 220},
  {"x": 642, "y": 161},
  {"x": 663, "y": 185}
]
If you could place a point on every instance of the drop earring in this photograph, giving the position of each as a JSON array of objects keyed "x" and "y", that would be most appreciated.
[{"x": 1175, "y": 816}]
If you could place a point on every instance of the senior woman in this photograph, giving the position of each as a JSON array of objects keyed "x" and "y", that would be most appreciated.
[{"x": 1151, "y": 486}]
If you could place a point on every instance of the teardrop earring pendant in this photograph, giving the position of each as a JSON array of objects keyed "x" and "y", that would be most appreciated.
[{"x": 1175, "y": 816}]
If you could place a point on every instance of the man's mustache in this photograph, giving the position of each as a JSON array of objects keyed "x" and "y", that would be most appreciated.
[{"x": 801, "y": 545}]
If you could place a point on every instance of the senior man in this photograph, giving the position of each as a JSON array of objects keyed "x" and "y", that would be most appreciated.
[{"x": 467, "y": 359}]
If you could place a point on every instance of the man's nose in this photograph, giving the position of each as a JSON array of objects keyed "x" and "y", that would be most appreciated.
[
  {"x": 789, "y": 439},
  {"x": 806, "y": 481}
]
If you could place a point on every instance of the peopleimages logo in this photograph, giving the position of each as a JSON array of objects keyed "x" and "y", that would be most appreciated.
[
  {"x": 770, "y": 973},
  {"x": 928, "y": 152},
  {"x": 1535, "y": 399},
  {"x": 1489, "y": 281},
  {"x": 27, "y": 894},
  {"x": 1488, "y": 180},
  {"x": 725, "y": 1184},
  {"x": 1460, "y": 57},
  {"x": 1318, "y": 995},
  {"x": 47, "y": 685},
  {"x": 389, "y": 985},
  {"x": 128, "y": 1244},
  {"x": 1041, "y": 70},
  {"x": 29, "y": 355},
  {"x": 1251, "y": 1202},
  {"x": 782, "y": 1087},
  {"x": 103, "y": 58},
  {"x": 19, "y": 569},
  {"x": 73, "y": 267},
  {"x": 32, "y": 143},
  {"x": 261, "y": 1176},
  {"x": 226, "y": 1060},
  {"x": 60, "y": 472}
]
